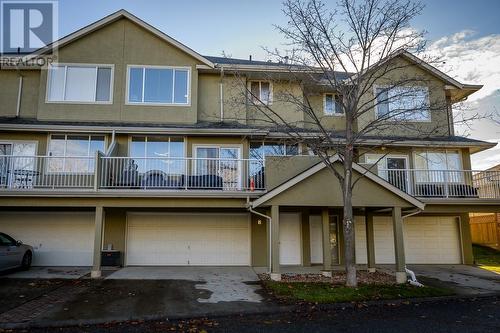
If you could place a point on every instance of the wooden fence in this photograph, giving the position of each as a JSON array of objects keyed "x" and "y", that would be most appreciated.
[{"x": 485, "y": 230}]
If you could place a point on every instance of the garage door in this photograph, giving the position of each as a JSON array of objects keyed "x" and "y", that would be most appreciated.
[
  {"x": 432, "y": 240},
  {"x": 290, "y": 239},
  {"x": 188, "y": 239},
  {"x": 58, "y": 239},
  {"x": 428, "y": 240}
]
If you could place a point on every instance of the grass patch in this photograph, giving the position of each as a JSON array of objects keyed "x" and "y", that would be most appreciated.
[
  {"x": 487, "y": 258},
  {"x": 328, "y": 293}
]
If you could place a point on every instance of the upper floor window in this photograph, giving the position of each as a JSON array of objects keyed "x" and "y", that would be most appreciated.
[
  {"x": 158, "y": 85},
  {"x": 331, "y": 105},
  {"x": 73, "y": 153},
  {"x": 261, "y": 92},
  {"x": 258, "y": 150},
  {"x": 80, "y": 83},
  {"x": 403, "y": 103}
]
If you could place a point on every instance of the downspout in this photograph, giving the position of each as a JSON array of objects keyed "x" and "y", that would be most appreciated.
[
  {"x": 269, "y": 220},
  {"x": 413, "y": 278},
  {"x": 221, "y": 94},
  {"x": 19, "y": 94}
]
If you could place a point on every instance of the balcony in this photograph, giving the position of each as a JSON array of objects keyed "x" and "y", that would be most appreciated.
[
  {"x": 39, "y": 173},
  {"x": 445, "y": 183}
]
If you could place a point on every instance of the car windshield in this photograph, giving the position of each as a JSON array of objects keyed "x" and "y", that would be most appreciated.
[{"x": 6, "y": 239}]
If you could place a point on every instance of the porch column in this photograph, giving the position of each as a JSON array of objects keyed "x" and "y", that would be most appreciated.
[
  {"x": 399, "y": 248},
  {"x": 466, "y": 239},
  {"x": 327, "y": 254},
  {"x": 306, "y": 239},
  {"x": 370, "y": 241},
  {"x": 99, "y": 223},
  {"x": 275, "y": 243}
]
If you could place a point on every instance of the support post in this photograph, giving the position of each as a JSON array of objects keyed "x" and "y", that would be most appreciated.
[
  {"x": 327, "y": 253},
  {"x": 399, "y": 248},
  {"x": 99, "y": 224},
  {"x": 466, "y": 239},
  {"x": 370, "y": 241},
  {"x": 275, "y": 243},
  {"x": 306, "y": 238}
]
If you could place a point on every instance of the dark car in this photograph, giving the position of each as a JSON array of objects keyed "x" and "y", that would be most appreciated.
[{"x": 14, "y": 254}]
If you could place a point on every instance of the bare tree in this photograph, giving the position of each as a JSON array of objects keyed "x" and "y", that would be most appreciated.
[{"x": 351, "y": 51}]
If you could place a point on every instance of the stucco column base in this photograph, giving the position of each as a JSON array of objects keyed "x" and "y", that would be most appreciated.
[
  {"x": 400, "y": 277},
  {"x": 326, "y": 273},
  {"x": 371, "y": 270},
  {"x": 276, "y": 276},
  {"x": 95, "y": 274}
]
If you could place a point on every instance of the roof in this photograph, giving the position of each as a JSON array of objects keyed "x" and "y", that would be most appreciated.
[
  {"x": 320, "y": 166},
  {"x": 113, "y": 18}
]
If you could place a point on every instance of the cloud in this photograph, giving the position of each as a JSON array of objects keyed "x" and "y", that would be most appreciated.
[{"x": 470, "y": 59}]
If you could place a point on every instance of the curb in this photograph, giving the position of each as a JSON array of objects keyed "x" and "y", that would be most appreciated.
[{"x": 218, "y": 314}]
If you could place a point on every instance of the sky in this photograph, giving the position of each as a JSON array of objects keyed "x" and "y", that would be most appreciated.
[{"x": 466, "y": 33}]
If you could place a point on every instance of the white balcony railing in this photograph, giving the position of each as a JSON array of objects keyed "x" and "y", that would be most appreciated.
[
  {"x": 181, "y": 173},
  {"x": 444, "y": 183},
  {"x": 46, "y": 172}
]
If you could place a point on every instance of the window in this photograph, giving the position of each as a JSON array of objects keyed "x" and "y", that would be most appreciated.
[
  {"x": 158, "y": 85},
  {"x": 259, "y": 150},
  {"x": 261, "y": 92},
  {"x": 158, "y": 153},
  {"x": 80, "y": 83},
  {"x": 331, "y": 105},
  {"x": 73, "y": 153},
  {"x": 403, "y": 103},
  {"x": 436, "y": 163}
]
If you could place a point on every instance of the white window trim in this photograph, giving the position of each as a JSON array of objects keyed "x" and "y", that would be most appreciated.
[
  {"x": 271, "y": 88},
  {"x": 445, "y": 151},
  {"x": 47, "y": 171},
  {"x": 112, "y": 81},
  {"x": 375, "y": 87},
  {"x": 299, "y": 149},
  {"x": 127, "y": 83},
  {"x": 334, "y": 114}
]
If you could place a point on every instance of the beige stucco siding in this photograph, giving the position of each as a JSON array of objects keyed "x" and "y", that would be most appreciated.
[
  {"x": 333, "y": 122},
  {"x": 114, "y": 229},
  {"x": 122, "y": 43},
  {"x": 406, "y": 71},
  {"x": 259, "y": 241},
  {"x": 9, "y": 83}
]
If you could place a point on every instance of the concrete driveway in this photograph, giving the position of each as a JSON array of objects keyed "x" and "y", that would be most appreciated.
[
  {"x": 464, "y": 279},
  {"x": 225, "y": 284}
]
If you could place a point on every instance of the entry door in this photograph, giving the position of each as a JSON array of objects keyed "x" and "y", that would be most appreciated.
[
  {"x": 396, "y": 172},
  {"x": 220, "y": 161}
]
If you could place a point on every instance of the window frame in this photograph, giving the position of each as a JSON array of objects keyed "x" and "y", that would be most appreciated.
[
  {"x": 144, "y": 67},
  {"x": 271, "y": 88},
  {"x": 64, "y": 172},
  {"x": 284, "y": 144},
  {"x": 88, "y": 65},
  {"x": 459, "y": 179},
  {"x": 146, "y": 136},
  {"x": 335, "y": 113},
  {"x": 376, "y": 105}
]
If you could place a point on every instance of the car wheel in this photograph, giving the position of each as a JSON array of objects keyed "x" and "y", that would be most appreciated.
[{"x": 26, "y": 263}]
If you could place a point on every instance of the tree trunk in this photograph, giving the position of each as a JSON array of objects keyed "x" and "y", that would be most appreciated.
[{"x": 348, "y": 223}]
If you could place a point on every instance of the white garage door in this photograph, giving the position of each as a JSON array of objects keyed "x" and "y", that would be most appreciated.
[
  {"x": 188, "y": 239},
  {"x": 290, "y": 239},
  {"x": 58, "y": 239},
  {"x": 432, "y": 240},
  {"x": 428, "y": 240},
  {"x": 384, "y": 240}
]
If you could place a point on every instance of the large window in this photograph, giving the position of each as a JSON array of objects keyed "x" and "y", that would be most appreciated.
[
  {"x": 73, "y": 153},
  {"x": 23, "y": 160},
  {"x": 158, "y": 153},
  {"x": 158, "y": 85},
  {"x": 261, "y": 92},
  {"x": 80, "y": 83},
  {"x": 331, "y": 105},
  {"x": 403, "y": 103},
  {"x": 439, "y": 166}
]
